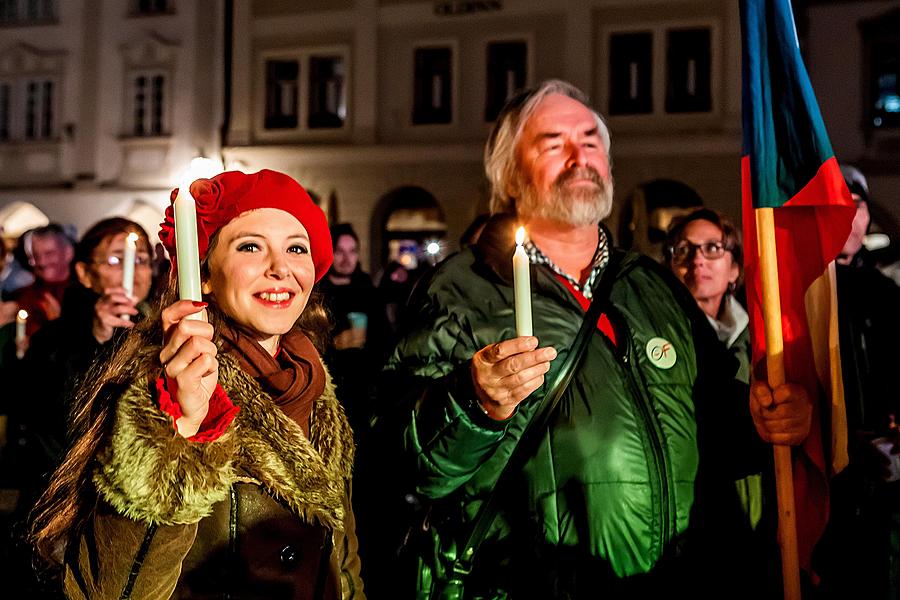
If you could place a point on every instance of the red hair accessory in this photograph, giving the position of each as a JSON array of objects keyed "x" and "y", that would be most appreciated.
[{"x": 228, "y": 195}]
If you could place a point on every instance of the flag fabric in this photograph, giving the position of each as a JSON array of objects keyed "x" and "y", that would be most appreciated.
[{"x": 788, "y": 165}]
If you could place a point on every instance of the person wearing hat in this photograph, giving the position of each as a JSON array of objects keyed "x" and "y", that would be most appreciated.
[
  {"x": 856, "y": 554},
  {"x": 218, "y": 463}
]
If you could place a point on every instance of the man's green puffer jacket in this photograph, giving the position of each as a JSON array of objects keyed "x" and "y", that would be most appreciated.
[{"x": 611, "y": 487}]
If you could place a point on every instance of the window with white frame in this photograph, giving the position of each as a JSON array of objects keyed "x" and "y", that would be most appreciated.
[
  {"x": 149, "y": 97},
  {"x": 27, "y": 12},
  {"x": 305, "y": 89},
  {"x": 661, "y": 69}
]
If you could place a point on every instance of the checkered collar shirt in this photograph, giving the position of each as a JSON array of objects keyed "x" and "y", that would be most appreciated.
[{"x": 601, "y": 258}]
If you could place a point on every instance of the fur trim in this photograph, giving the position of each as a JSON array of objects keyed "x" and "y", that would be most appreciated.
[{"x": 149, "y": 473}]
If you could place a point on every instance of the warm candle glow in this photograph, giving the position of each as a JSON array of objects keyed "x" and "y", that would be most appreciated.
[
  {"x": 21, "y": 321},
  {"x": 520, "y": 236},
  {"x": 128, "y": 260}
]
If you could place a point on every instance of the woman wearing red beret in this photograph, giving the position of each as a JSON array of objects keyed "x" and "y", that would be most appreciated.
[{"x": 217, "y": 464}]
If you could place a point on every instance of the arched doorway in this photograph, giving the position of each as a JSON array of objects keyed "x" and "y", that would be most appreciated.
[
  {"x": 408, "y": 226},
  {"x": 648, "y": 212}
]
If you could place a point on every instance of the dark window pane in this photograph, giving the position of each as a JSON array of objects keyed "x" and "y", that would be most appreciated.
[
  {"x": 688, "y": 66},
  {"x": 507, "y": 71},
  {"x": 327, "y": 98},
  {"x": 140, "y": 105},
  {"x": 47, "y": 111},
  {"x": 281, "y": 94},
  {"x": 9, "y": 11},
  {"x": 159, "y": 98},
  {"x": 152, "y": 6},
  {"x": 630, "y": 73},
  {"x": 4, "y": 111},
  {"x": 433, "y": 87},
  {"x": 31, "y": 111},
  {"x": 885, "y": 84}
]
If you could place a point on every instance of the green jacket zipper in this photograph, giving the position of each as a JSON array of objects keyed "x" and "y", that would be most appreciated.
[{"x": 642, "y": 402}]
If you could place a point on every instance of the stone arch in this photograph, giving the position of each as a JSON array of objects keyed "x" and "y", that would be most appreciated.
[
  {"x": 649, "y": 210},
  {"x": 405, "y": 213}
]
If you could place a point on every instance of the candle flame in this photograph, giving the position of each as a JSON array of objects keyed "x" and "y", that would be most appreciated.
[
  {"x": 520, "y": 236},
  {"x": 23, "y": 314},
  {"x": 132, "y": 237}
]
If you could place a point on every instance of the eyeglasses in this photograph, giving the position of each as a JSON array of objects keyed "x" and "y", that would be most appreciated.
[
  {"x": 684, "y": 250},
  {"x": 140, "y": 260}
]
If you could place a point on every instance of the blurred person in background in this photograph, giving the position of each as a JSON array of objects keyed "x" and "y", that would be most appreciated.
[
  {"x": 13, "y": 274},
  {"x": 359, "y": 326},
  {"x": 859, "y": 555},
  {"x": 95, "y": 314},
  {"x": 50, "y": 252}
]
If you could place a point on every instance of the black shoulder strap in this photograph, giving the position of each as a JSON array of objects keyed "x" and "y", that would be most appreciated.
[{"x": 536, "y": 427}]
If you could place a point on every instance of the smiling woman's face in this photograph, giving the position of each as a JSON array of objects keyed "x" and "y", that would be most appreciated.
[{"x": 261, "y": 272}]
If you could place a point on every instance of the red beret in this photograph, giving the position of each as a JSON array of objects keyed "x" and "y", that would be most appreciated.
[{"x": 228, "y": 195}]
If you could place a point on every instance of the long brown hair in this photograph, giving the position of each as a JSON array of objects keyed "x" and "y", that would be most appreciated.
[{"x": 63, "y": 510}]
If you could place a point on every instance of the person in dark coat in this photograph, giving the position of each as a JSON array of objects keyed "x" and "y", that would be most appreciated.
[
  {"x": 859, "y": 554},
  {"x": 360, "y": 330}
]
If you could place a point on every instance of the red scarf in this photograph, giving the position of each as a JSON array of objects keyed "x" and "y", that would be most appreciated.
[{"x": 294, "y": 377}]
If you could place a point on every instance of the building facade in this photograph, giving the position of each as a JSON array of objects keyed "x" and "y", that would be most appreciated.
[
  {"x": 103, "y": 103},
  {"x": 382, "y": 107},
  {"x": 853, "y": 55}
]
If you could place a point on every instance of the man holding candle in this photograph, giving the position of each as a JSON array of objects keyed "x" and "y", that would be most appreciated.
[{"x": 630, "y": 490}]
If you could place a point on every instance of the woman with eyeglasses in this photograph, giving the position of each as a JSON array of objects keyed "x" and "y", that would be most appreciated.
[
  {"x": 703, "y": 249},
  {"x": 96, "y": 313}
]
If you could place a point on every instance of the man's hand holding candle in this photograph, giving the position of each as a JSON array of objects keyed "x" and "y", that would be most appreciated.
[{"x": 507, "y": 372}]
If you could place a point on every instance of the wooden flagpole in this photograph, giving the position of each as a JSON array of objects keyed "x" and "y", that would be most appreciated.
[{"x": 784, "y": 478}]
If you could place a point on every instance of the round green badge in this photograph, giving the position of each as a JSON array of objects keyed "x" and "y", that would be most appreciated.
[{"x": 661, "y": 353}]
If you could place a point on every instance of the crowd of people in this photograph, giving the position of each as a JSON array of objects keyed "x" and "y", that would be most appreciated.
[{"x": 302, "y": 432}]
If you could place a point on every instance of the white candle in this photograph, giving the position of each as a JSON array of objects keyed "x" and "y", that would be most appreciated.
[
  {"x": 128, "y": 263},
  {"x": 186, "y": 249},
  {"x": 522, "y": 286},
  {"x": 21, "y": 322}
]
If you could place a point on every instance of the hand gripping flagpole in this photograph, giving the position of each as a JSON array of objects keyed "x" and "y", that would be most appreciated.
[{"x": 784, "y": 478}]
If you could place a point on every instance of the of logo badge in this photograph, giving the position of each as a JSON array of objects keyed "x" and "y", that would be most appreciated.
[{"x": 661, "y": 353}]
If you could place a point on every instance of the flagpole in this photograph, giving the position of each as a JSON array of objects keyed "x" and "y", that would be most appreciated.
[{"x": 784, "y": 479}]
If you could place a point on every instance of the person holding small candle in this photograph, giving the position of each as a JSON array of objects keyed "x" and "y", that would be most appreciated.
[
  {"x": 218, "y": 463},
  {"x": 62, "y": 352},
  {"x": 627, "y": 489}
]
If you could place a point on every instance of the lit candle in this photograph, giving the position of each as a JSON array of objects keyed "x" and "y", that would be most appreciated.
[
  {"x": 21, "y": 322},
  {"x": 522, "y": 285},
  {"x": 186, "y": 248},
  {"x": 128, "y": 263}
]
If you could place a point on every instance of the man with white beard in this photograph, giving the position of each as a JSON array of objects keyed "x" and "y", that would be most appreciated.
[{"x": 625, "y": 488}]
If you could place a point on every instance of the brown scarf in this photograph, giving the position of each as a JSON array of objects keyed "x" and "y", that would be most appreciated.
[{"x": 294, "y": 377}]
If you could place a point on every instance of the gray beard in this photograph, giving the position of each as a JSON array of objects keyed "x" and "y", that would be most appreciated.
[{"x": 578, "y": 206}]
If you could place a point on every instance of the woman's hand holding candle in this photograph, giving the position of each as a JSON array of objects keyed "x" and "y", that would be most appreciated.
[
  {"x": 114, "y": 309},
  {"x": 189, "y": 360}
]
